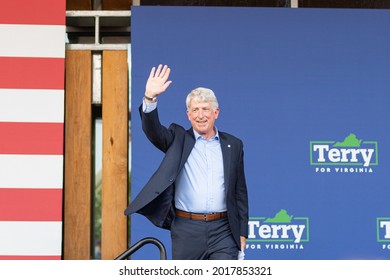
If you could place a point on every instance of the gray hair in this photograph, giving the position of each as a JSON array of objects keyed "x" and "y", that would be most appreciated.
[{"x": 201, "y": 94}]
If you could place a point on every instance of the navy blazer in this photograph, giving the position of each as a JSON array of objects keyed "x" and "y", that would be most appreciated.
[{"x": 156, "y": 199}]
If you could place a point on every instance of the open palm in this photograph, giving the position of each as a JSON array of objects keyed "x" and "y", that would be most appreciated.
[{"x": 158, "y": 81}]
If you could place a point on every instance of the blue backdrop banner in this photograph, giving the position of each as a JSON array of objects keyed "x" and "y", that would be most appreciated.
[{"x": 308, "y": 92}]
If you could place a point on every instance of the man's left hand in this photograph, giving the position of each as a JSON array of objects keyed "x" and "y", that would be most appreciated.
[{"x": 243, "y": 242}]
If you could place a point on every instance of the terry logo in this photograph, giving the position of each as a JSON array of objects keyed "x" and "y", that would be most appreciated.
[
  {"x": 383, "y": 229},
  {"x": 282, "y": 227},
  {"x": 383, "y": 232},
  {"x": 350, "y": 152}
]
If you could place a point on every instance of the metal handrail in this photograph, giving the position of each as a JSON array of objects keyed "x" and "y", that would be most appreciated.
[{"x": 140, "y": 244}]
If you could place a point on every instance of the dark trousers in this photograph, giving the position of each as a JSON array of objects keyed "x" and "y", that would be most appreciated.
[{"x": 200, "y": 240}]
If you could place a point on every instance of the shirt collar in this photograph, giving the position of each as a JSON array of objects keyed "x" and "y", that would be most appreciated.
[{"x": 215, "y": 137}]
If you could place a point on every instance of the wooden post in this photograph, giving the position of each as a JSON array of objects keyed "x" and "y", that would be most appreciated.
[
  {"x": 115, "y": 152},
  {"x": 77, "y": 190}
]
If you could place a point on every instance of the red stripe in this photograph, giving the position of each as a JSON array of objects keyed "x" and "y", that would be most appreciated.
[
  {"x": 30, "y": 257},
  {"x": 32, "y": 12},
  {"x": 31, "y": 138},
  {"x": 31, "y": 72},
  {"x": 31, "y": 205}
]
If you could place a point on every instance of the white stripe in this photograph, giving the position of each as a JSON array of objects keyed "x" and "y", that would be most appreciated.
[
  {"x": 18, "y": 105},
  {"x": 31, "y": 171},
  {"x": 30, "y": 238},
  {"x": 18, "y": 40}
]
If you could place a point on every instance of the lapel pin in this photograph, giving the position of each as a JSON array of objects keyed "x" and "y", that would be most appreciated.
[{"x": 229, "y": 146}]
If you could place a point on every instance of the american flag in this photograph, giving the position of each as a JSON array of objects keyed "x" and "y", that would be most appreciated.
[{"x": 32, "y": 59}]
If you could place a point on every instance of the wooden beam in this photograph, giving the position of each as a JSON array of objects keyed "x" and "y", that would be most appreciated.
[
  {"x": 77, "y": 190},
  {"x": 78, "y": 5},
  {"x": 117, "y": 4},
  {"x": 115, "y": 153}
]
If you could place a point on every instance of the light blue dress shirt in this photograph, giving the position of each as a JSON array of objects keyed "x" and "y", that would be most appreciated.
[{"x": 200, "y": 186}]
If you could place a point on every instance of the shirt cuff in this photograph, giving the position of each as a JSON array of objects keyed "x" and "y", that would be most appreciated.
[{"x": 148, "y": 107}]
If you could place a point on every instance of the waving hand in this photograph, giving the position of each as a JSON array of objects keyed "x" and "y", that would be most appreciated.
[{"x": 158, "y": 81}]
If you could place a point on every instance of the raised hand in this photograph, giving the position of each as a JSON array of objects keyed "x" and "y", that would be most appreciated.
[{"x": 158, "y": 81}]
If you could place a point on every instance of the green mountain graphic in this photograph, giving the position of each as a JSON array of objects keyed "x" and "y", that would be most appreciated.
[
  {"x": 280, "y": 217},
  {"x": 349, "y": 141}
]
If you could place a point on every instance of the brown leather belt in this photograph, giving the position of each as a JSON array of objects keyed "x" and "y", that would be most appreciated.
[{"x": 201, "y": 217}]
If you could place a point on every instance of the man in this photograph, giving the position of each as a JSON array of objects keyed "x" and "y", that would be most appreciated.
[{"x": 199, "y": 190}]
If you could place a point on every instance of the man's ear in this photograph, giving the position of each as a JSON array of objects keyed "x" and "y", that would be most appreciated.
[{"x": 216, "y": 112}]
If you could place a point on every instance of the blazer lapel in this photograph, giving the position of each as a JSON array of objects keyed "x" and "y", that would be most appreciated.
[
  {"x": 189, "y": 142},
  {"x": 226, "y": 155}
]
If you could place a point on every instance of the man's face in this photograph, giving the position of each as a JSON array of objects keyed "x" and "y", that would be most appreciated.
[{"x": 202, "y": 117}]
